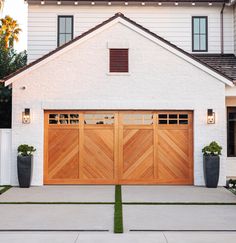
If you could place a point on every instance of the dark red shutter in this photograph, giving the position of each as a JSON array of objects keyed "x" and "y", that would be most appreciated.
[{"x": 119, "y": 61}]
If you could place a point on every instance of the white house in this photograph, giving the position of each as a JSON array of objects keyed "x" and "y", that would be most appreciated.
[{"x": 126, "y": 92}]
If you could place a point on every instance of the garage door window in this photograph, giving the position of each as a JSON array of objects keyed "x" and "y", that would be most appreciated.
[
  {"x": 138, "y": 119},
  {"x": 173, "y": 119},
  {"x": 99, "y": 119},
  {"x": 63, "y": 119}
]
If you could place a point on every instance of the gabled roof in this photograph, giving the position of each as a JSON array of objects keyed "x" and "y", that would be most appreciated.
[{"x": 119, "y": 17}]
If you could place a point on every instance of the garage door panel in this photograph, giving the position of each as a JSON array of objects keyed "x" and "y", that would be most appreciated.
[
  {"x": 63, "y": 154},
  {"x": 174, "y": 148},
  {"x": 98, "y": 154},
  {"x": 107, "y": 147},
  {"x": 138, "y": 154}
]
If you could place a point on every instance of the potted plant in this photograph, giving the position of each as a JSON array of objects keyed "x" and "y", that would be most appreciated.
[
  {"x": 211, "y": 164},
  {"x": 24, "y": 164}
]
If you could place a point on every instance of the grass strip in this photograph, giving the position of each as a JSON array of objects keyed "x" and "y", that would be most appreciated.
[
  {"x": 80, "y": 203},
  {"x": 178, "y": 203},
  {"x": 118, "y": 214},
  {"x": 5, "y": 188}
]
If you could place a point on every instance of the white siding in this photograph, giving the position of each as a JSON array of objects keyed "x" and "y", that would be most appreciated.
[
  {"x": 171, "y": 23},
  {"x": 78, "y": 79}
]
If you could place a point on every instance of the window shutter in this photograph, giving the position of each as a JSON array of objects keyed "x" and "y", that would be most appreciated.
[{"x": 119, "y": 61}]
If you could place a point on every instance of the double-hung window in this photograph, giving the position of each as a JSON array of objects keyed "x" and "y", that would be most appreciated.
[
  {"x": 199, "y": 34},
  {"x": 65, "y": 29}
]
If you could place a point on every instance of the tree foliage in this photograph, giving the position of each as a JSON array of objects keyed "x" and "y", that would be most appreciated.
[
  {"x": 9, "y": 31},
  {"x": 10, "y": 61}
]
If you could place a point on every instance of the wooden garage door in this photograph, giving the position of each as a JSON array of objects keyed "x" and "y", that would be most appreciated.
[{"x": 118, "y": 147}]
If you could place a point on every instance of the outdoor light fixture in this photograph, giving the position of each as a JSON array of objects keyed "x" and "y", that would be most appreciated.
[
  {"x": 26, "y": 116},
  {"x": 210, "y": 116}
]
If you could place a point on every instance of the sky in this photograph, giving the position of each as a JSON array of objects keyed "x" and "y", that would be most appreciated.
[{"x": 17, "y": 9}]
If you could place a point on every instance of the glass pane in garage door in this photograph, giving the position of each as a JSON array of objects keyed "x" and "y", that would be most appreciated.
[
  {"x": 138, "y": 119},
  {"x": 173, "y": 119},
  {"x": 98, "y": 119}
]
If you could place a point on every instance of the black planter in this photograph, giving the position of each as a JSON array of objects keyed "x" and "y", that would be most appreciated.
[
  {"x": 211, "y": 166},
  {"x": 24, "y": 170}
]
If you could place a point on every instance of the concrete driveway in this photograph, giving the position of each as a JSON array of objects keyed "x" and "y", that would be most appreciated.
[{"x": 150, "y": 214}]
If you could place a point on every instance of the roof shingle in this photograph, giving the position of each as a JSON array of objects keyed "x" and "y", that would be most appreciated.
[{"x": 225, "y": 63}]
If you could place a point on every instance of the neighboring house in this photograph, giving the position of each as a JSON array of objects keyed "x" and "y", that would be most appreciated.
[{"x": 133, "y": 96}]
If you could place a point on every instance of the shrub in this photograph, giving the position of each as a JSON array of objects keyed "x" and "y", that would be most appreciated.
[
  {"x": 25, "y": 150},
  {"x": 212, "y": 149}
]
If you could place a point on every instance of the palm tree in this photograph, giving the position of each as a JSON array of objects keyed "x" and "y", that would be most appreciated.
[
  {"x": 9, "y": 31},
  {"x": 1, "y": 5}
]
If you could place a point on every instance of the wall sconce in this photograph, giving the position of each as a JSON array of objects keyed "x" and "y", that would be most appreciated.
[
  {"x": 26, "y": 116},
  {"x": 210, "y": 116}
]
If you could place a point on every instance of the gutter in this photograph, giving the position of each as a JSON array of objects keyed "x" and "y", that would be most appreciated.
[{"x": 222, "y": 29}]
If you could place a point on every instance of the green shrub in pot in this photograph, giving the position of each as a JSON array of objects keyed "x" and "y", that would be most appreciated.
[
  {"x": 24, "y": 164},
  {"x": 211, "y": 164}
]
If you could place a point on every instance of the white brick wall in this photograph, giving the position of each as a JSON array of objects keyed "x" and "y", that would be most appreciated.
[{"x": 158, "y": 79}]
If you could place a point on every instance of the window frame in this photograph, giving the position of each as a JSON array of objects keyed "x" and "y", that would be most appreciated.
[
  {"x": 229, "y": 109},
  {"x": 128, "y": 62},
  {"x": 200, "y": 17},
  {"x": 58, "y": 27}
]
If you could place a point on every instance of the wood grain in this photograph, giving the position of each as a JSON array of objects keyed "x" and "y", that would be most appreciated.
[{"x": 118, "y": 153}]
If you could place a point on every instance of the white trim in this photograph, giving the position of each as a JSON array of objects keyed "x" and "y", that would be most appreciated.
[{"x": 138, "y": 30}]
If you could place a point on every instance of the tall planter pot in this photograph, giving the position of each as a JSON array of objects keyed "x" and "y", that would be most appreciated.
[
  {"x": 24, "y": 170},
  {"x": 211, "y": 165}
]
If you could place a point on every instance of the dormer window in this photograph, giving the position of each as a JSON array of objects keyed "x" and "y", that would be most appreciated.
[
  {"x": 119, "y": 60},
  {"x": 199, "y": 34},
  {"x": 65, "y": 29}
]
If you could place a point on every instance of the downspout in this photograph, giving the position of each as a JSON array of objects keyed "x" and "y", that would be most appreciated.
[{"x": 222, "y": 29}]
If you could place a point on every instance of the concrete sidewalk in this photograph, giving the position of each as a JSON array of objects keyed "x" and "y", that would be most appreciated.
[{"x": 159, "y": 237}]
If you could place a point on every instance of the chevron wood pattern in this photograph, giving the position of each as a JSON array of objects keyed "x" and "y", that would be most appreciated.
[
  {"x": 98, "y": 154},
  {"x": 133, "y": 147},
  {"x": 138, "y": 154},
  {"x": 63, "y": 154}
]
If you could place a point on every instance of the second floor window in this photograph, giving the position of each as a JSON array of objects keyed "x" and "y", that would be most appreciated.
[
  {"x": 199, "y": 34},
  {"x": 65, "y": 29}
]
